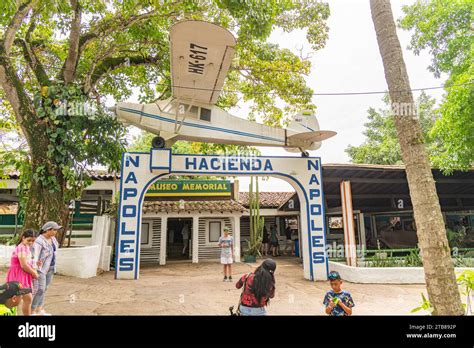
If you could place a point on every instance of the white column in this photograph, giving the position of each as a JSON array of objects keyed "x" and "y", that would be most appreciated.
[
  {"x": 348, "y": 217},
  {"x": 236, "y": 234},
  {"x": 163, "y": 239},
  {"x": 195, "y": 239}
]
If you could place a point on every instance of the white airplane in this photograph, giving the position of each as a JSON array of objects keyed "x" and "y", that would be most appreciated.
[{"x": 201, "y": 55}]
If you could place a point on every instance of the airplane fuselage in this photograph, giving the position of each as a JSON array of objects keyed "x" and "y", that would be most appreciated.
[{"x": 204, "y": 124}]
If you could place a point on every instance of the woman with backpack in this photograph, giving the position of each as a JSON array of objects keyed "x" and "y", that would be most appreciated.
[{"x": 258, "y": 289}]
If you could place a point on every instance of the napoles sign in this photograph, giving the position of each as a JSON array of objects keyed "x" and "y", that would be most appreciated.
[{"x": 171, "y": 188}]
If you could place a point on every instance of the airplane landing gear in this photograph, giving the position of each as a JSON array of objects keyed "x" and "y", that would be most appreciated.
[
  {"x": 158, "y": 143},
  {"x": 304, "y": 153}
]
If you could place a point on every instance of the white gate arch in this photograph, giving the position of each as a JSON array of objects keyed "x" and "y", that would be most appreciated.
[{"x": 141, "y": 169}]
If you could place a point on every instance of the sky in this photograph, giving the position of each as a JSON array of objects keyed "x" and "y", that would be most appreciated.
[{"x": 350, "y": 62}]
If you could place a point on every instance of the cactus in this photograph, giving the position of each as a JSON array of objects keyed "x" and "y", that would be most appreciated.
[{"x": 256, "y": 221}]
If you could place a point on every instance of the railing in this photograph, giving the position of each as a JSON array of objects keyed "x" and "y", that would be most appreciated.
[{"x": 394, "y": 253}]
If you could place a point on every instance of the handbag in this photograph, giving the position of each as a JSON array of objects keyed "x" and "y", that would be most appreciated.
[{"x": 231, "y": 308}]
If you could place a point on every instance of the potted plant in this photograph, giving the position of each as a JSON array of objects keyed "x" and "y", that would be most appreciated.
[{"x": 256, "y": 224}]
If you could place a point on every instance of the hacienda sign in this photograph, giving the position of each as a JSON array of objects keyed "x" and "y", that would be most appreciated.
[{"x": 141, "y": 170}]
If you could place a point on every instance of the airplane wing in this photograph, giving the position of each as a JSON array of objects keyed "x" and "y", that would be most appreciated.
[
  {"x": 315, "y": 136},
  {"x": 201, "y": 54}
]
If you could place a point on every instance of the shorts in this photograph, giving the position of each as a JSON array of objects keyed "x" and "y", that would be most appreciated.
[
  {"x": 226, "y": 260},
  {"x": 259, "y": 311}
]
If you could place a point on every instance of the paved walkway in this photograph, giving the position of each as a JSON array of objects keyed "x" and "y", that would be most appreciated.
[{"x": 186, "y": 289}]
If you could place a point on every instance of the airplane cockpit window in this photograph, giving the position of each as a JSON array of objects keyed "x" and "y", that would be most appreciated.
[
  {"x": 192, "y": 111},
  {"x": 205, "y": 114},
  {"x": 184, "y": 110}
]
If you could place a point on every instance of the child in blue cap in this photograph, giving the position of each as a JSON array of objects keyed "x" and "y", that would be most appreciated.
[{"x": 337, "y": 301}]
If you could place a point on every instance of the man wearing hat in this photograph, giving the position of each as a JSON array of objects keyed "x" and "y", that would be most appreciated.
[
  {"x": 11, "y": 294},
  {"x": 45, "y": 248}
]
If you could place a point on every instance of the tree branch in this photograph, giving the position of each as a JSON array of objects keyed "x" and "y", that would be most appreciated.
[
  {"x": 73, "y": 55},
  {"x": 112, "y": 63},
  {"x": 114, "y": 24},
  {"x": 34, "y": 63},
  {"x": 104, "y": 28},
  {"x": 15, "y": 23},
  {"x": 15, "y": 92}
]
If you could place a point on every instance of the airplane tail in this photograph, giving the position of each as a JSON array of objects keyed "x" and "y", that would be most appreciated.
[
  {"x": 309, "y": 136},
  {"x": 304, "y": 121}
]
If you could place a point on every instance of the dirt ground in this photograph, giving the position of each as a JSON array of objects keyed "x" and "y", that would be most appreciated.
[{"x": 194, "y": 289}]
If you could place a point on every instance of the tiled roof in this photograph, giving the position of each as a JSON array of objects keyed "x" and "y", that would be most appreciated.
[
  {"x": 8, "y": 208},
  {"x": 267, "y": 199},
  {"x": 204, "y": 205}
]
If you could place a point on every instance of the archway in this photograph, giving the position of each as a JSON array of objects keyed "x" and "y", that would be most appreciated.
[{"x": 141, "y": 169}]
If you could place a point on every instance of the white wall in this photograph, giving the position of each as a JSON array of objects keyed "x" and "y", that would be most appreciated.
[
  {"x": 382, "y": 275},
  {"x": 81, "y": 262}
]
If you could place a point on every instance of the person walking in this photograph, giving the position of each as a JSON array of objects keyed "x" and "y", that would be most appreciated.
[
  {"x": 274, "y": 241},
  {"x": 265, "y": 241},
  {"x": 44, "y": 251},
  {"x": 289, "y": 242},
  {"x": 226, "y": 243},
  {"x": 22, "y": 268},
  {"x": 257, "y": 289},
  {"x": 185, "y": 234}
]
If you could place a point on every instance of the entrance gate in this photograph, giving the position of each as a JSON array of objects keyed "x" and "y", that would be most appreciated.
[{"x": 141, "y": 169}]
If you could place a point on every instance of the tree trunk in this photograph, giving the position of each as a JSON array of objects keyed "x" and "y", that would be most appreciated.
[
  {"x": 438, "y": 266},
  {"x": 43, "y": 205}
]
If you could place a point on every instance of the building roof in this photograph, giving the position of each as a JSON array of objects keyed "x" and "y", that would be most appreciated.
[
  {"x": 197, "y": 206},
  {"x": 378, "y": 187},
  {"x": 267, "y": 199},
  {"x": 8, "y": 208}
]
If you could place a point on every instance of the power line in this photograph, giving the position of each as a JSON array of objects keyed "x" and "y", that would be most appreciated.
[
  {"x": 321, "y": 93},
  {"x": 302, "y": 93}
]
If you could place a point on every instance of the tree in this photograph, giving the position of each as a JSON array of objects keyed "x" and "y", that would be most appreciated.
[
  {"x": 143, "y": 140},
  {"x": 437, "y": 263},
  {"x": 381, "y": 145},
  {"x": 445, "y": 29},
  {"x": 57, "y": 52}
]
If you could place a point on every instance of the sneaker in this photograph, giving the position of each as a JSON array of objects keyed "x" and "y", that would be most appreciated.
[
  {"x": 225, "y": 278},
  {"x": 42, "y": 312},
  {"x": 230, "y": 278}
]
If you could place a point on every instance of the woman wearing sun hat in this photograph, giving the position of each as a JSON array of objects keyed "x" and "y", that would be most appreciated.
[{"x": 45, "y": 248}]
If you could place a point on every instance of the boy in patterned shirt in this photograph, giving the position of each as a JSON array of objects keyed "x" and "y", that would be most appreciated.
[{"x": 337, "y": 301}]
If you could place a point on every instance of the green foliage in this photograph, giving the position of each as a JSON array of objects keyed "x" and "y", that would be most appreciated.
[
  {"x": 123, "y": 47},
  {"x": 381, "y": 144},
  {"x": 455, "y": 129},
  {"x": 455, "y": 238},
  {"x": 465, "y": 281},
  {"x": 444, "y": 28},
  {"x": 413, "y": 259},
  {"x": 463, "y": 261},
  {"x": 142, "y": 143},
  {"x": 9, "y": 240},
  {"x": 425, "y": 305}
]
